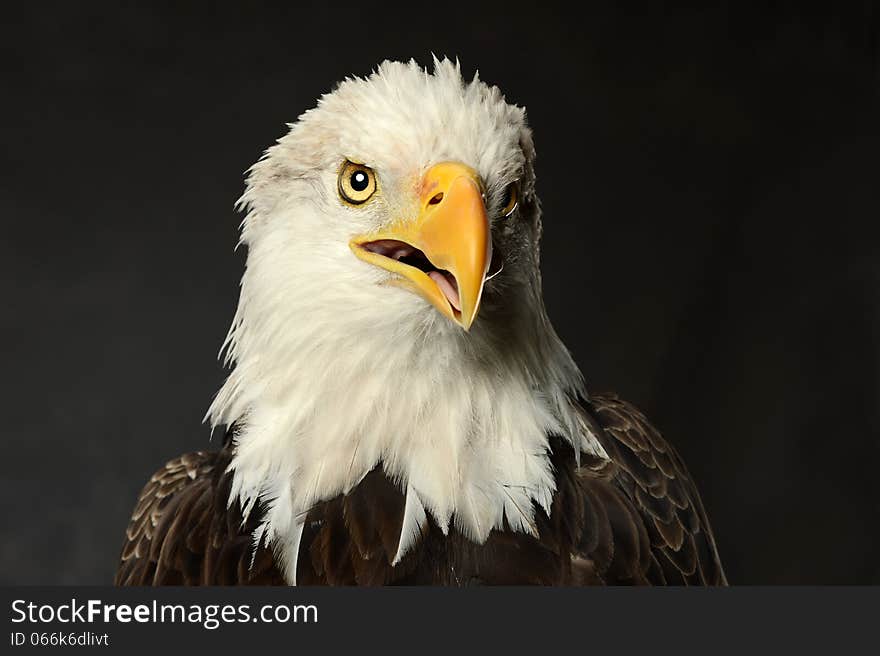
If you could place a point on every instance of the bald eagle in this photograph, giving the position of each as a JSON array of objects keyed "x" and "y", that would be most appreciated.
[{"x": 399, "y": 408}]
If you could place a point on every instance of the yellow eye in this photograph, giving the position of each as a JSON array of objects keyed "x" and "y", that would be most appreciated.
[
  {"x": 509, "y": 200},
  {"x": 356, "y": 183}
]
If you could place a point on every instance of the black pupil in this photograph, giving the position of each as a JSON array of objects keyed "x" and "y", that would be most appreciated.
[{"x": 359, "y": 181}]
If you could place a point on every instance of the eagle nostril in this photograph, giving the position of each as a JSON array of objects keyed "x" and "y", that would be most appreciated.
[{"x": 436, "y": 199}]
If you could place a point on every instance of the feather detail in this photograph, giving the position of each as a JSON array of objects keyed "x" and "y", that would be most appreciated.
[
  {"x": 522, "y": 520},
  {"x": 414, "y": 519},
  {"x": 288, "y": 551},
  {"x": 257, "y": 541}
]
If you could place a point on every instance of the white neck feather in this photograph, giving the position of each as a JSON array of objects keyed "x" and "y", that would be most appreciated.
[{"x": 460, "y": 420}]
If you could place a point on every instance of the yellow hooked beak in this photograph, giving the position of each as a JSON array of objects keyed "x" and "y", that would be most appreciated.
[{"x": 444, "y": 253}]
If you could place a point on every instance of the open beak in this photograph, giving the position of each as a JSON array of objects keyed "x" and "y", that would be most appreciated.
[{"x": 444, "y": 253}]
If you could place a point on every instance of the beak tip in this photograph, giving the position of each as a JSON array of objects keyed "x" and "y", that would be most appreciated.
[{"x": 466, "y": 320}]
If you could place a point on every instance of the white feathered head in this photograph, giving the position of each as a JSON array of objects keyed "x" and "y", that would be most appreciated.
[{"x": 391, "y": 308}]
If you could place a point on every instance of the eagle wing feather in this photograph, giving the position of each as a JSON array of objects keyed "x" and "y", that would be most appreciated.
[
  {"x": 647, "y": 523},
  {"x": 183, "y": 531}
]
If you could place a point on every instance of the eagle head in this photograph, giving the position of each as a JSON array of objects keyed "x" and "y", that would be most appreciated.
[
  {"x": 391, "y": 313},
  {"x": 397, "y": 204}
]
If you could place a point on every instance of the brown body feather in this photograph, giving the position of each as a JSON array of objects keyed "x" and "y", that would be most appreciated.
[{"x": 636, "y": 519}]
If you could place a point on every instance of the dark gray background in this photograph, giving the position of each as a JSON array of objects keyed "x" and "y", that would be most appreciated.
[{"x": 710, "y": 185}]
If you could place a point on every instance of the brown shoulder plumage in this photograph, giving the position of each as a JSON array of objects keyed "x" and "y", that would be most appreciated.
[
  {"x": 645, "y": 520},
  {"x": 183, "y": 533},
  {"x": 636, "y": 518}
]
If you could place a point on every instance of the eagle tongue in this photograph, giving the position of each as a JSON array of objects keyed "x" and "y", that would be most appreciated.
[{"x": 448, "y": 285}]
